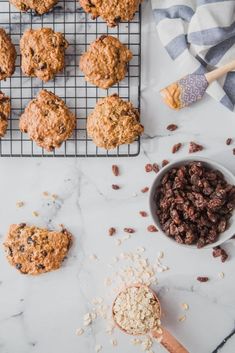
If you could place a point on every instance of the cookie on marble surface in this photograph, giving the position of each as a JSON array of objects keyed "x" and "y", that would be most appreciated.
[
  {"x": 43, "y": 53},
  {"x": 33, "y": 250},
  {"x": 114, "y": 122},
  {"x": 47, "y": 120},
  {"x": 7, "y": 55},
  {"x": 105, "y": 62},
  {"x": 39, "y": 6},
  {"x": 5, "y": 109},
  {"x": 111, "y": 11}
]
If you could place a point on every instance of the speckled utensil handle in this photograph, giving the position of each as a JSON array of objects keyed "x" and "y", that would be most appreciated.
[
  {"x": 169, "y": 342},
  {"x": 221, "y": 71}
]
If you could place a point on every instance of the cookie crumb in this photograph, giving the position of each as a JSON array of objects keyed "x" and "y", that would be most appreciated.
[
  {"x": 35, "y": 213},
  {"x": 143, "y": 214},
  {"x": 46, "y": 193},
  {"x": 151, "y": 228},
  {"x": 165, "y": 162}
]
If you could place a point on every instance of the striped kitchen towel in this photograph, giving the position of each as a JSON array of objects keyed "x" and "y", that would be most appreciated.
[{"x": 200, "y": 36}]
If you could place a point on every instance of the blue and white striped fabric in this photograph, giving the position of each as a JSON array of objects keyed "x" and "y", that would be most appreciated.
[{"x": 200, "y": 35}]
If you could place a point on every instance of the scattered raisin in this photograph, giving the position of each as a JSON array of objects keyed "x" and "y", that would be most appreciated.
[
  {"x": 112, "y": 231},
  {"x": 115, "y": 170},
  {"x": 151, "y": 228},
  {"x": 203, "y": 279},
  {"x": 172, "y": 127},
  {"x": 115, "y": 187},
  {"x": 129, "y": 230},
  {"x": 234, "y": 151},
  {"x": 194, "y": 147},
  {"x": 143, "y": 214},
  {"x": 228, "y": 141},
  {"x": 145, "y": 189},
  {"x": 156, "y": 168},
  {"x": 165, "y": 162},
  {"x": 148, "y": 168},
  {"x": 176, "y": 147}
]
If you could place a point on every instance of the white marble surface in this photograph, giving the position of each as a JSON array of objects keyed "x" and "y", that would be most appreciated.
[{"x": 40, "y": 315}]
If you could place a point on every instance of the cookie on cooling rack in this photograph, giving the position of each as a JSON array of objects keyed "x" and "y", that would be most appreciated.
[
  {"x": 38, "y": 6},
  {"x": 43, "y": 53},
  {"x": 7, "y": 55},
  {"x": 114, "y": 122},
  {"x": 105, "y": 62},
  {"x": 5, "y": 109},
  {"x": 111, "y": 11},
  {"x": 33, "y": 250},
  {"x": 47, "y": 120}
]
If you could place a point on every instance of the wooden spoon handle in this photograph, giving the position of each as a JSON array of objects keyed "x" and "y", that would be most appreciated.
[
  {"x": 169, "y": 342},
  {"x": 221, "y": 71}
]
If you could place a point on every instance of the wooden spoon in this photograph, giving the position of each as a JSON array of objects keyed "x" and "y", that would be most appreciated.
[
  {"x": 166, "y": 339},
  {"x": 192, "y": 88}
]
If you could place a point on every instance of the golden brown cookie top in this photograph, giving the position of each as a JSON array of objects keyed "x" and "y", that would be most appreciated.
[
  {"x": 7, "y": 55},
  {"x": 5, "y": 109},
  {"x": 39, "y": 6},
  {"x": 33, "y": 250},
  {"x": 43, "y": 53},
  {"x": 105, "y": 62},
  {"x": 48, "y": 120},
  {"x": 112, "y": 11},
  {"x": 114, "y": 122}
]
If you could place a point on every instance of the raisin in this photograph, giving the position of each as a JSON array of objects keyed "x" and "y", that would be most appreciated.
[
  {"x": 129, "y": 230},
  {"x": 151, "y": 228},
  {"x": 203, "y": 279},
  {"x": 115, "y": 170},
  {"x": 194, "y": 147},
  {"x": 112, "y": 231},
  {"x": 228, "y": 141},
  {"x": 172, "y": 127},
  {"x": 148, "y": 168},
  {"x": 145, "y": 189},
  {"x": 115, "y": 187},
  {"x": 176, "y": 147}
]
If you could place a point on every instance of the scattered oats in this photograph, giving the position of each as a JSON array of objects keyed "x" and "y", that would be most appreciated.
[
  {"x": 19, "y": 204},
  {"x": 98, "y": 348},
  {"x": 118, "y": 242},
  {"x": 140, "y": 249},
  {"x": 182, "y": 318},
  {"x": 35, "y": 213},
  {"x": 107, "y": 281},
  {"x": 115, "y": 259},
  {"x": 93, "y": 257},
  {"x": 123, "y": 256},
  {"x": 160, "y": 255},
  {"x": 136, "y": 341},
  {"x": 113, "y": 342},
  {"x": 79, "y": 331},
  {"x": 134, "y": 194},
  {"x": 93, "y": 316},
  {"x": 185, "y": 306},
  {"x": 147, "y": 343},
  {"x": 45, "y": 193},
  {"x": 221, "y": 275},
  {"x": 126, "y": 237},
  {"x": 97, "y": 301},
  {"x": 87, "y": 319}
]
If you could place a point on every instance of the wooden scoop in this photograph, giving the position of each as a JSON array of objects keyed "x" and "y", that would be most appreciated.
[
  {"x": 167, "y": 340},
  {"x": 192, "y": 88}
]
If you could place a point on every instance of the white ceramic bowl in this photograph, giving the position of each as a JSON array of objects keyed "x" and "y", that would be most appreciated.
[{"x": 229, "y": 177}]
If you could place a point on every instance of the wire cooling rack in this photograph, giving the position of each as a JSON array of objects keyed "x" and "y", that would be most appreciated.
[{"x": 80, "y": 96}]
